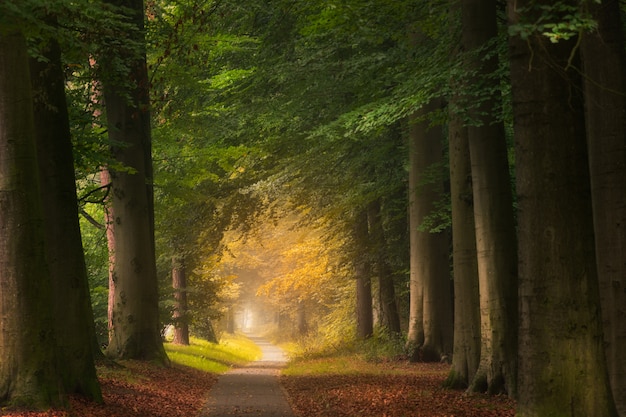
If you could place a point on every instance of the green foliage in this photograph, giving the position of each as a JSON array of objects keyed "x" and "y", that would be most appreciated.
[
  {"x": 348, "y": 358},
  {"x": 558, "y": 21},
  {"x": 266, "y": 107},
  {"x": 383, "y": 346},
  {"x": 97, "y": 262}
]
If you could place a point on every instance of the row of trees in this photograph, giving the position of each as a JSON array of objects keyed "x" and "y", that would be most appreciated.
[
  {"x": 355, "y": 114},
  {"x": 516, "y": 92},
  {"x": 48, "y": 335}
]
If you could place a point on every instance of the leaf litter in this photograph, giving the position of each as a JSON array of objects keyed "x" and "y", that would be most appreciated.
[{"x": 147, "y": 390}]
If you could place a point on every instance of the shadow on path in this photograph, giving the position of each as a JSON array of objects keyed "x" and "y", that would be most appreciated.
[{"x": 252, "y": 390}]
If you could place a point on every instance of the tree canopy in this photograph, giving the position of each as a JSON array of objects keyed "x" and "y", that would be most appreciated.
[{"x": 293, "y": 158}]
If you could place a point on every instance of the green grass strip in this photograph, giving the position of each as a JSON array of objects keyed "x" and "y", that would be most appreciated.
[{"x": 233, "y": 350}]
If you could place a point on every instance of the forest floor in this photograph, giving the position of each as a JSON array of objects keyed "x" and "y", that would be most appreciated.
[
  {"x": 398, "y": 389},
  {"x": 145, "y": 390}
]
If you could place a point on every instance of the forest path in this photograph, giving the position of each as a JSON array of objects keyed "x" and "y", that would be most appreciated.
[{"x": 252, "y": 390}]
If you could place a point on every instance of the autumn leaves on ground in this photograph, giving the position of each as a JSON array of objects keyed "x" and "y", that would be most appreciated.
[{"x": 344, "y": 385}]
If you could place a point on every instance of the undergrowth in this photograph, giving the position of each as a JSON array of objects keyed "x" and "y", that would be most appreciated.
[
  {"x": 317, "y": 355},
  {"x": 212, "y": 357}
]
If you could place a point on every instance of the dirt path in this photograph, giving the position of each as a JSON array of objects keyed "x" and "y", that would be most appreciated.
[{"x": 252, "y": 391}]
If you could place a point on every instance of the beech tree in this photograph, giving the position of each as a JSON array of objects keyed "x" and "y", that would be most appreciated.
[
  {"x": 492, "y": 202},
  {"x": 388, "y": 315},
  {"x": 135, "y": 325},
  {"x": 562, "y": 366},
  {"x": 604, "y": 66},
  {"x": 363, "y": 275},
  {"x": 73, "y": 314},
  {"x": 466, "y": 352},
  {"x": 179, "y": 283},
  {"x": 430, "y": 317},
  {"x": 29, "y": 372}
]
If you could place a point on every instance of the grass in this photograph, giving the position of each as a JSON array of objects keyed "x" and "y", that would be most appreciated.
[
  {"x": 211, "y": 357},
  {"x": 351, "y": 364},
  {"x": 382, "y": 354}
]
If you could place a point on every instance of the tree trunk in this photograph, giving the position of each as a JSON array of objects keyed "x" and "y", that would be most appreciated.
[
  {"x": 303, "y": 326},
  {"x": 604, "y": 66},
  {"x": 230, "y": 320},
  {"x": 135, "y": 332},
  {"x": 430, "y": 316},
  {"x": 29, "y": 369},
  {"x": 388, "y": 315},
  {"x": 417, "y": 239},
  {"x": 466, "y": 354},
  {"x": 562, "y": 366},
  {"x": 493, "y": 208},
  {"x": 73, "y": 314},
  {"x": 362, "y": 271},
  {"x": 179, "y": 283},
  {"x": 105, "y": 181}
]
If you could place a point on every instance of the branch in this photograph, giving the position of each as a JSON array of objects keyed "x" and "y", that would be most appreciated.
[
  {"x": 84, "y": 199},
  {"x": 91, "y": 219}
]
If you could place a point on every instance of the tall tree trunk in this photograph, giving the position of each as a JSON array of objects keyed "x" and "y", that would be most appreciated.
[
  {"x": 430, "y": 317},
  {"x": 74, "y": 325},
  {"x": 179, "y": 283},
  {"x": 230, "y": 320},
  {"x": 302, "y": 325},
  {"x": 362, "y": 271},
  {"x": 417, "y": 240},
  {"x": 389, "y": 317},
  {"x": 135, "y": 332},
  {"x": 105, "y": 181},
  {"x": 466, "y": 354},
  {"x": 29, "y": 369},
  {"x": 562, "y": 365},
  {"x": 493, "y": 207},
  {"x": 604, "y": 66}
]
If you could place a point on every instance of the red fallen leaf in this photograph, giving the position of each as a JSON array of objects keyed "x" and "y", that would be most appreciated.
[
  {"x": 417, "y": 393},
  {"x": 149, "y": 391}
]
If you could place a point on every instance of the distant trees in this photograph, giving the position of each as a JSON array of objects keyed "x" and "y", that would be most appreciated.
[
  {"x": 333, "y": 112},
  {"x": 430, "y": 318},
  {"x": 363, "y": 276},
  {"x": 181, "y": 306}
]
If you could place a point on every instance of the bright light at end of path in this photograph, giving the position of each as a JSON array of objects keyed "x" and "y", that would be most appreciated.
[{"x": 248, "y": 319}]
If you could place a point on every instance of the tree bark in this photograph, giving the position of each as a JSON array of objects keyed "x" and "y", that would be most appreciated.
[
  {"x": 389, "y": 317},
  {"x": 562, "y": 366},
  {"x": 230, "y": 320},
  {"x": 604, "y": 66},
  {"x": 362, "y": 271},
  {"x": 179, "y": 283},
  {"x": 430, "y": 317},
  {"x": 135, "y": 324},
  {"x": 493, "y": 206},
  {"x": 466, "y": 353},
  {"x": 301, "y": 321},
  {"x": 105, "y": 181},
  {"x": 73, "y": 314},
  {"x": 29, "y": 369}
]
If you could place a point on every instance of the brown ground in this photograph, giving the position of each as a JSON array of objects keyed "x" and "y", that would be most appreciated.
[
  {"x": 150, "y": 391},
  {"x": 419, "y": 393}
]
